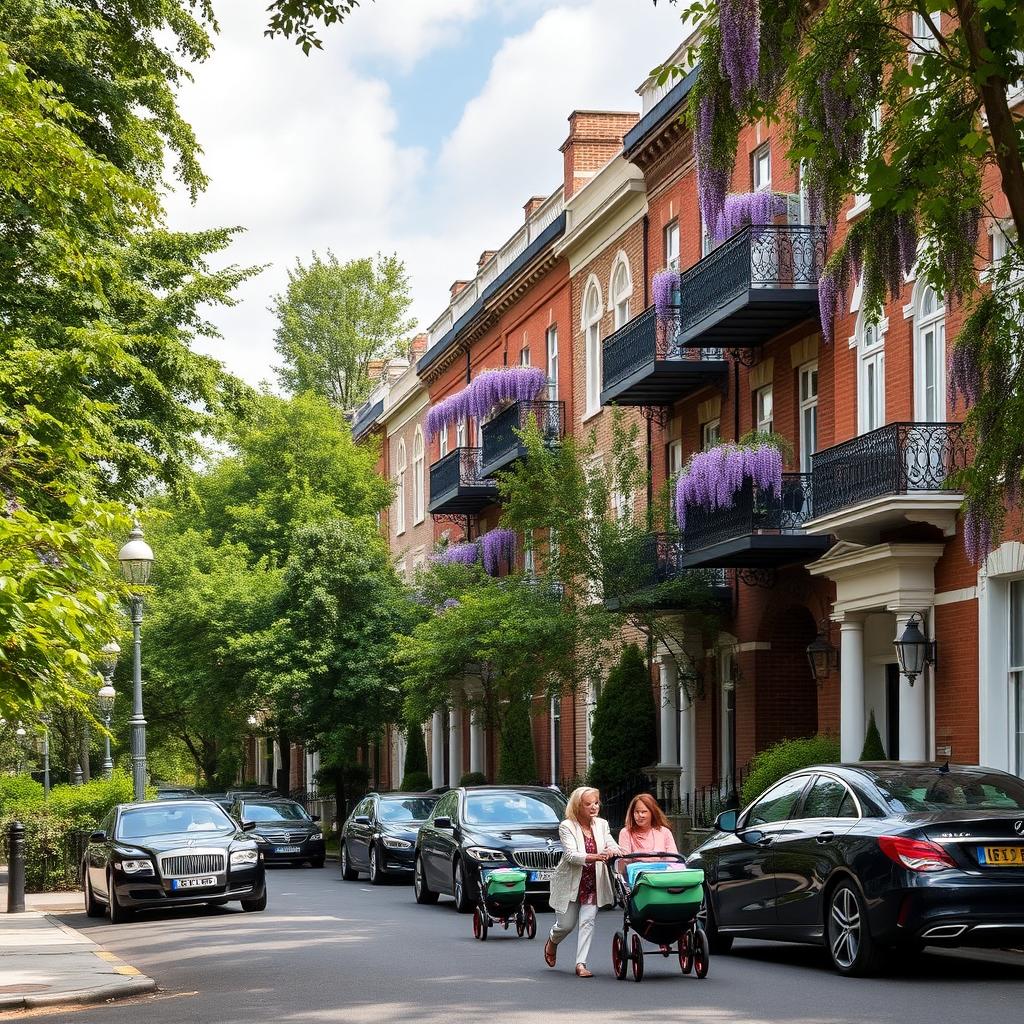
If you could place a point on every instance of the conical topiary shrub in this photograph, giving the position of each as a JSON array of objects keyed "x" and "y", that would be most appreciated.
[
  {"x": 517, "y": 763},
  {"x": 873, "y": 749},
  {"x": 414, "y": 771}
]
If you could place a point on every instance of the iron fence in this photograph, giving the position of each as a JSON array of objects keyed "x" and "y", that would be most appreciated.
[
  {"x": 501, "y": 436},
  {"x": 459, "y": 468}
]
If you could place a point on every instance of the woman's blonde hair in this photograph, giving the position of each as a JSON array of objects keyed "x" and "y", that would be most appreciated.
[
  {"x": 658, "y": 819},
  {"x": 575, "y": 805}
]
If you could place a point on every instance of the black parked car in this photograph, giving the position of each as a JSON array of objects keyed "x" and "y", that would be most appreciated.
[
  {"x": 287, "y": 834},
  {"x": 379, "y": 836},
  {"x": 171, "y": 853},
  {"x": 474, "y": 829},
  {"x": 871, "y": 859}
]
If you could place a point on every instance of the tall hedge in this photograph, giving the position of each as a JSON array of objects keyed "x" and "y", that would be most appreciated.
[
  {"x": 517, "y": 762},
  {"x": 788, "y": 756},
  {"x": 624, "y": 738}
]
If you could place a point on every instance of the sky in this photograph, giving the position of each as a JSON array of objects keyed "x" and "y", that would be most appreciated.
[{"x": 421, "y": 128}]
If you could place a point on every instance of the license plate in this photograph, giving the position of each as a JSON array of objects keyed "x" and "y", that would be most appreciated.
[
  {"x": 541, "y": 876},
  {"x": 1001, "y": 856},
  {"x": 192, "y": 883},
  {"x": 287, "y": 849}
]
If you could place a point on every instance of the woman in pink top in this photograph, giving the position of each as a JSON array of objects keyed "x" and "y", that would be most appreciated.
[{"x": 646, "y": 828}]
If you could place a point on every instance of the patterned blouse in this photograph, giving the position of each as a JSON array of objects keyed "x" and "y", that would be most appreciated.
[{"x": 588, "y": 879}]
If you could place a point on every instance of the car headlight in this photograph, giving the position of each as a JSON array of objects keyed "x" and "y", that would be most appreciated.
[
  {"x": 316, "y": 837},
  {"x": 396, "y": 844},
  {"x": 136, "y": 867},
  {"x": 245, "y": 856},
  {"x": 259, "y": 838},
  {"x": 484, "y": 855}
]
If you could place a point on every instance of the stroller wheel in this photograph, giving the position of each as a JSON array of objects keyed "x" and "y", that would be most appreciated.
[
  {"x": 686, "y": 952},
  {"x": 520, "y": 923},
  {"x": 637, "y": 956},
  {"x": 531, "y": 922},
  {"x": 701, "y": 954},
  {"x": 619, "y": 956},
  {"x": 476, "y": 924}
]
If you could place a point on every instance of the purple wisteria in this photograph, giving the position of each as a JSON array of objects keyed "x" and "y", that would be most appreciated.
[
  {"x": 499, "y": 547},
  {"x": 712, "y": 182},
  {"x": 965, "y": 375},
  {"x": 492, "y": 387},
  {"x": 828, "y": 298},
  {"x": 742, "y": 208},
  {"x": 665, "y": 285},
  {"x": 740, "y": 24},
  {"x": 977, "y": 533},
  {"x": 714, "y": 478},
  {"x": 447, "y": 411},
  {"x": 463, "y": 553}
]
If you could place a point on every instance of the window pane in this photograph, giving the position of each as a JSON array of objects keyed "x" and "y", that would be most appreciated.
[
  {"x": 1017, "y": 624},
  {"x": 777, "y": 804},
  {"x": 825, "y": 799}
]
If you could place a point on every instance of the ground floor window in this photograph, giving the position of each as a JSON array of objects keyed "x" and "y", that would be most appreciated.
[{"x": 1016, "y": 676}]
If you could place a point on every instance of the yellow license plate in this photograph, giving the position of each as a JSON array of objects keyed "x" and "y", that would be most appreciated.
[{"x": 1002, "y": 856}]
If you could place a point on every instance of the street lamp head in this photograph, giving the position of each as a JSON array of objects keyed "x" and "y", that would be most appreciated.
[
  {"x": 253, "y": 720},
  {"x": 105, "y": 698},
  {"x": 136, "y": 558},
  {"x": 914, "y": 650},
  {"x": 822, "y": 656},
  {"x": 108, "y": 658},
  {"x": 20, "y": 732}
]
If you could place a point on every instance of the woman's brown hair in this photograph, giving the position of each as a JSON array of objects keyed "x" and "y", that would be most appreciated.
[{"x": 658, "y": 819}]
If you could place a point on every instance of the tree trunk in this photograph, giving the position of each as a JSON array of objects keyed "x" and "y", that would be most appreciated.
[{"x": 284, "y": 773}]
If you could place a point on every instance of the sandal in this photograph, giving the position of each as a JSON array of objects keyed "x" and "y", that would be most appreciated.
[
  {"x": 582, "y": 972},
  {"x": 550, "y": 953}
]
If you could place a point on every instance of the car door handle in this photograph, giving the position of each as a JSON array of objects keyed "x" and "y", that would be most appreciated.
[
  {"x": 766, "y": 840},
  {"x": 824, "y": 837}
]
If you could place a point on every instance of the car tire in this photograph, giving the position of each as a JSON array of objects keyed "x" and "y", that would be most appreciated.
[
  {"x": 256, "y": 905},
  {"x": 348, "y": 872},
  {"x": 460, "y": 889},
  {"x": 116, "y": 913},
  {"x": 93, "y": 907},
  {"x": 851, "y": 948},
  {"x": 378, "y": 876},
  {"x": 718, "y": 944},
  {"x": 317, "y": 862},
  {"x": 423, "y": 893}
]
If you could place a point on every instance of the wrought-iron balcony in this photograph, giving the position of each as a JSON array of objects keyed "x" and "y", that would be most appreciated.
[
  {"x": 888, "y": 477},
  {"x": 502, "y": 445},
  {"x": 657, "y": 558},
  {"x": 457, "y": 486},
  {"x": 753, "y": 287},
  {"x": 762, "y": 530},
  {"x": 643, "y": 364}
]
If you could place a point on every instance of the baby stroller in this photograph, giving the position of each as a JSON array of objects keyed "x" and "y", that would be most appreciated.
[
  {"x": 501, "y": 899},
  {"x": 661, "y": 900}
]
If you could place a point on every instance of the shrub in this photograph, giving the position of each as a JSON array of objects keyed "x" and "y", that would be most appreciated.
[
  {"x": 873, "y": 749},
  {"x": 416, "y": 782},
  {"x": 473, "y": 779},
  {"x": 517, "y": 763},
  {"x": 90, "y": 802},
  {"x": 18, "y": 794},
  {"x": 624, "y": 738},
  {"x": 788, "y": 756},
  {"x": 415, "y": 749}
]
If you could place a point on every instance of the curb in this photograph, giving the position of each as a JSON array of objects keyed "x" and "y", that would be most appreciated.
[{"x": 103, "y": 993}]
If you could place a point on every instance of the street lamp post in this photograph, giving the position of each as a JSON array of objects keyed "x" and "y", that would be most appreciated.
[
  {"x": 19, "y": 738},
  {"x": 136, "y": 559},
  {"x": 106, "y": 697},
  {"x": 45, "y": 719}
]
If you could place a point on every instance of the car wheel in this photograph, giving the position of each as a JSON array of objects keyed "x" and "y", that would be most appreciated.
[
  {"x": 348, "y": 872},
  {"x": 422, "y": 891},
  {"x": 850, "y": 945},
  {"x": 116, "y": 913},
  {"x": 460, "y": 889},
  {"x": 717, "y": 943},
  {"x": 377, "y": 874},
  {"x": 255, "y": 906},
  {"x": 93, "y": 907}
]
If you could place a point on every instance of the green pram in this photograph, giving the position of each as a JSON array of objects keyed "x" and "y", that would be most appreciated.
[
  {"x": 661, "y": 900},
  {"x": 501, "y": 900}
]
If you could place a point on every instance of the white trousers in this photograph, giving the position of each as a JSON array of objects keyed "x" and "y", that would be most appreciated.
[{"x": 574, "y": 914}]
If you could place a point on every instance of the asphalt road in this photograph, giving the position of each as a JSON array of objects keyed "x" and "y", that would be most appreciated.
[{"x": 327, "y": 950}]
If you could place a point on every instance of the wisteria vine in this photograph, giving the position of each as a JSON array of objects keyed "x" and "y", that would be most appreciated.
[
  {"x": 489, "y": 389},
  {"x": 499, "y": 547},
  {"x": 462, "y": 553},
  {"x": 713, "y": 478}
]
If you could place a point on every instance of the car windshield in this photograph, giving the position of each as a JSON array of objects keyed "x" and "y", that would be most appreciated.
[
  {"x": 178, "y": 817},
  {"x": 934, "y": 790},
  {"x": 514, "y": 808},
  {"x": 273, "y": 812},
  {"x": 407, "y": 809}
]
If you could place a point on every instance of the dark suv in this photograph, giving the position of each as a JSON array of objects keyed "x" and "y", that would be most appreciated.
[
  {"x": 287, "y": 834},
  {"x": 475, "y": 829},
  {"x": 379, "y": 836}
]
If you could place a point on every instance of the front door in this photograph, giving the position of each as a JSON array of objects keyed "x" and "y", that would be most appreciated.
[{"x": 892, "y": 712}]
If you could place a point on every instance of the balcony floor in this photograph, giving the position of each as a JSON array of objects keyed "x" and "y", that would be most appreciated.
[
  {"x": 463, "y": 500},
  {"x": 665, "y": 381},
  {"x": 754, "y": 317},
  {"x": 758, "y": 551}
]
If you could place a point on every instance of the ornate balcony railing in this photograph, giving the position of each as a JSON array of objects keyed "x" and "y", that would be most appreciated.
[
  {"x": 460, "y": 467},
  {"x": 899, "y": 458},
  {"x": 754, "y": 512},
  {"x": 764, "y": 258},
  {"x": 501, "y": 443}
]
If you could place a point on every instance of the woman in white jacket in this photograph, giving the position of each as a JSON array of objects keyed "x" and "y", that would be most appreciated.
[{"x": 580, "y": 884}]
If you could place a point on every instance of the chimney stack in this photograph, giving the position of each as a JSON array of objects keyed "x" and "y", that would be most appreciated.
[
  {"x": 417, "y": 347},
  {"x": 485, "y": 257},
  {"x": 595, "y": 137},
  {"x": 533, "y": 204},
  {"x": 457, "y": 287}
]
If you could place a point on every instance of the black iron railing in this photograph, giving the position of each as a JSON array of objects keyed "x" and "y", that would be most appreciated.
[
  {"x": 459, "y": 468},
  {"x": 770, "y": 256},
  {"x": 899, "y": 458},
  {"x": 648, "y": 561},
  {"x": 500, "y": 437},
  {"x": 754, "y": 511}
]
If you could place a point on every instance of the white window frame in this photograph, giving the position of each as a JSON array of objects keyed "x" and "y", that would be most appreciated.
[
  {"x": 925, "y": 40},
  {"x": 460, "y": 433},
  {"x": 529, "y": 556},
  {"x": 593, "y": 310},
  {"x": 1015, "y": 686},
  {"x": 524, "y": 356},
  {"x": 710, "y": 433},
  {"x": 442, "y": 441},
  {"x": 555, "y": 737},
  {"x": 808, "y": 396},
  {"x": 620, "y": 288},
  {"x": 670, "y": 245},
  {"x": 870, "y": 367},
  {"x": 764, "y": 409},
  {"x": 400, "y": 468},
  {"x": 933, "y": 324},
  {"x": 1003, "y": 234},
  {"x": 805, "y": 201},
  {"x": 418, "y": 467},
  {"x": 761, "y": 167},
  {"x": 551, "y": 345},
  {"x": 861, "y": 200}
]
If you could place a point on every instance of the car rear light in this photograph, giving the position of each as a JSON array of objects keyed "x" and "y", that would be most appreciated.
[{"x": 916, "y": 854}]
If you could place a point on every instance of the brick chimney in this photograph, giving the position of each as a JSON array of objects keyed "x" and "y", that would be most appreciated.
[
  {"x": 595, "y": 137},
  {"x": 485, "y": 257},
  {"x": 457, "y": 287},
  {"x": 532, "y": 205},
  {"x": 417, "y": 347}
]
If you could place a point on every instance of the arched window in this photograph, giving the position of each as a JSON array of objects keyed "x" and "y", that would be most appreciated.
[
  {"x": 621, "y": 290},
  {"x": 929, "y": 356},
  {"x": 417, "y": 476},
  {"x": 870, "y": 376},
  {"x": 592, "y": 309},
  {"x": 400, "y": 466}
]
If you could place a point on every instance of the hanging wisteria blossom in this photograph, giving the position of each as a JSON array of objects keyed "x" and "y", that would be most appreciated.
[
  {"x": 464, "y": 553},
  {"x": 447, "y": 411},
  {"x": 740, "y": 25},
  {"x": 509, "y": 384},
  {"x": 742, "y": 208},
  {"x": 828, "y": 296},
  {"x": 713, "y": 478},
  {"x": 499, "y": 547},
  {"x": 665, "y": 287}
]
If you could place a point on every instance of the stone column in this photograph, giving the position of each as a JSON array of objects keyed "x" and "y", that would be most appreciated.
[
  {"x": 476, "y": 741},
  {"x": 454, "y": 745},
  {"x": 669, "y": 711},
  {"x": 437, "y": 749},
  {"x": 913, "y": 706},
  {"x": 851, "y": 687},
  {"x": 687, "y": 747}
]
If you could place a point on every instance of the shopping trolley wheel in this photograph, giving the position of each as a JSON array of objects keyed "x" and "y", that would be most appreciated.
[
  {"x": 686, "y": 952},
  {"x": 619, "y": 955},
  {"x": 531, "y": 922},
  {"x": 701, "y": 954},
  {"x": 637, "y": 956}
]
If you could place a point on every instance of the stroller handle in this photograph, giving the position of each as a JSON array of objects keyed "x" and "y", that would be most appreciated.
[{"x": 648, "y": 855}]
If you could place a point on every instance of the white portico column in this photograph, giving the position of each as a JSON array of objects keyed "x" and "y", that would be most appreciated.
[
  {"x": 437, "y": 749},
  {"x": 454, "y": 745},
  {"x": 851, "y": 687},
  {"x": 913, "y": 707},
  {"x": 476, "y": 741},
  {"x": 687, "y": 747},
  {"x": 669, "y": 711}
]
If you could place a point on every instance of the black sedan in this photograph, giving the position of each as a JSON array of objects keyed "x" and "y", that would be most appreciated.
[
  {"x": 379, "y": 836},
  {"x": 173, "y": 853},
  {"x": 477, "y": 829},
  {"x": 871, "y": 860},
  {"x": 287, "y": 834}
]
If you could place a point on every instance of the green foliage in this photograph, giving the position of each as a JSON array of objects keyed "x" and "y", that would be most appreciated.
[
  {"x": 298, "y": 18},
  {"x": 86, "y": 805},
  {"x": 334, "y": 319},
  {"x": 415, "y": 749},
  {"x": 624, "y": 734},
  {"x": 517, "y": 762},
  {"x": 788, "y": 756},
  {"x": 473, "y": 779},
  {"x": 873, "y": 749},
  {"x": 416, "y": 782},
  {"x": 20, "y": 792}
]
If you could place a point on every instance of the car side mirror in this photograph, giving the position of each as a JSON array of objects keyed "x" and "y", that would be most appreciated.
[
  {"x": 361, "y": 819},
  {"x": 443, "y": 822},
  {"x": 314, "y": 817},
  {"x": 248, "y": 826},
  {"x": 99, "y": 836},
  {"x": 726, "y": 821}
]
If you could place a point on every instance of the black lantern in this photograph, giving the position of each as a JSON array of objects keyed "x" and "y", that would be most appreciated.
[
  {"x": 914, "y": 650},
  {"x": 822, "y": 657}
]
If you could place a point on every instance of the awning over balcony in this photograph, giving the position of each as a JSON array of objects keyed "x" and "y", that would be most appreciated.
[
  {"x": 760, "y": 531},
  {"x": 502, "y": 445},
  {"x": 642, "y": 364},
  {"x": 457, "y": 487},
  {"x": 754, "y": 286}
]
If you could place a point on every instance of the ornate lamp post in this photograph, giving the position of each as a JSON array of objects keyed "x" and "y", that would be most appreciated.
[
  {"x": 136, "y": 559},
  {"x": 106, "y": 697},
  {"x": 45, "y": 719},
  {"x": 20, "y": 738}
]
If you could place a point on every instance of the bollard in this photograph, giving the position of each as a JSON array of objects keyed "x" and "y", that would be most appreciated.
[{"x": 16, "y": 868}]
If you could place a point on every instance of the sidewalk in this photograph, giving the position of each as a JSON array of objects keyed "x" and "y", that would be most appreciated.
[{"x": 43, "y": 962}]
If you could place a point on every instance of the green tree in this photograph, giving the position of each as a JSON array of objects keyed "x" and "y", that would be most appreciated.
[
  {"x": 873, "y": 749},
  {"x": 335, "y": 319},
  {"x": 624, "y": 734},
  {"x": 517, "y": 762},
  {"x": 912, "y": 118}
]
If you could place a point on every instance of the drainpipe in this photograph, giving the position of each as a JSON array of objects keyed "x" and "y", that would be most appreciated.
[
  {"x": 650, "y": 475},
  {"x": 736, "y": 399}
]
